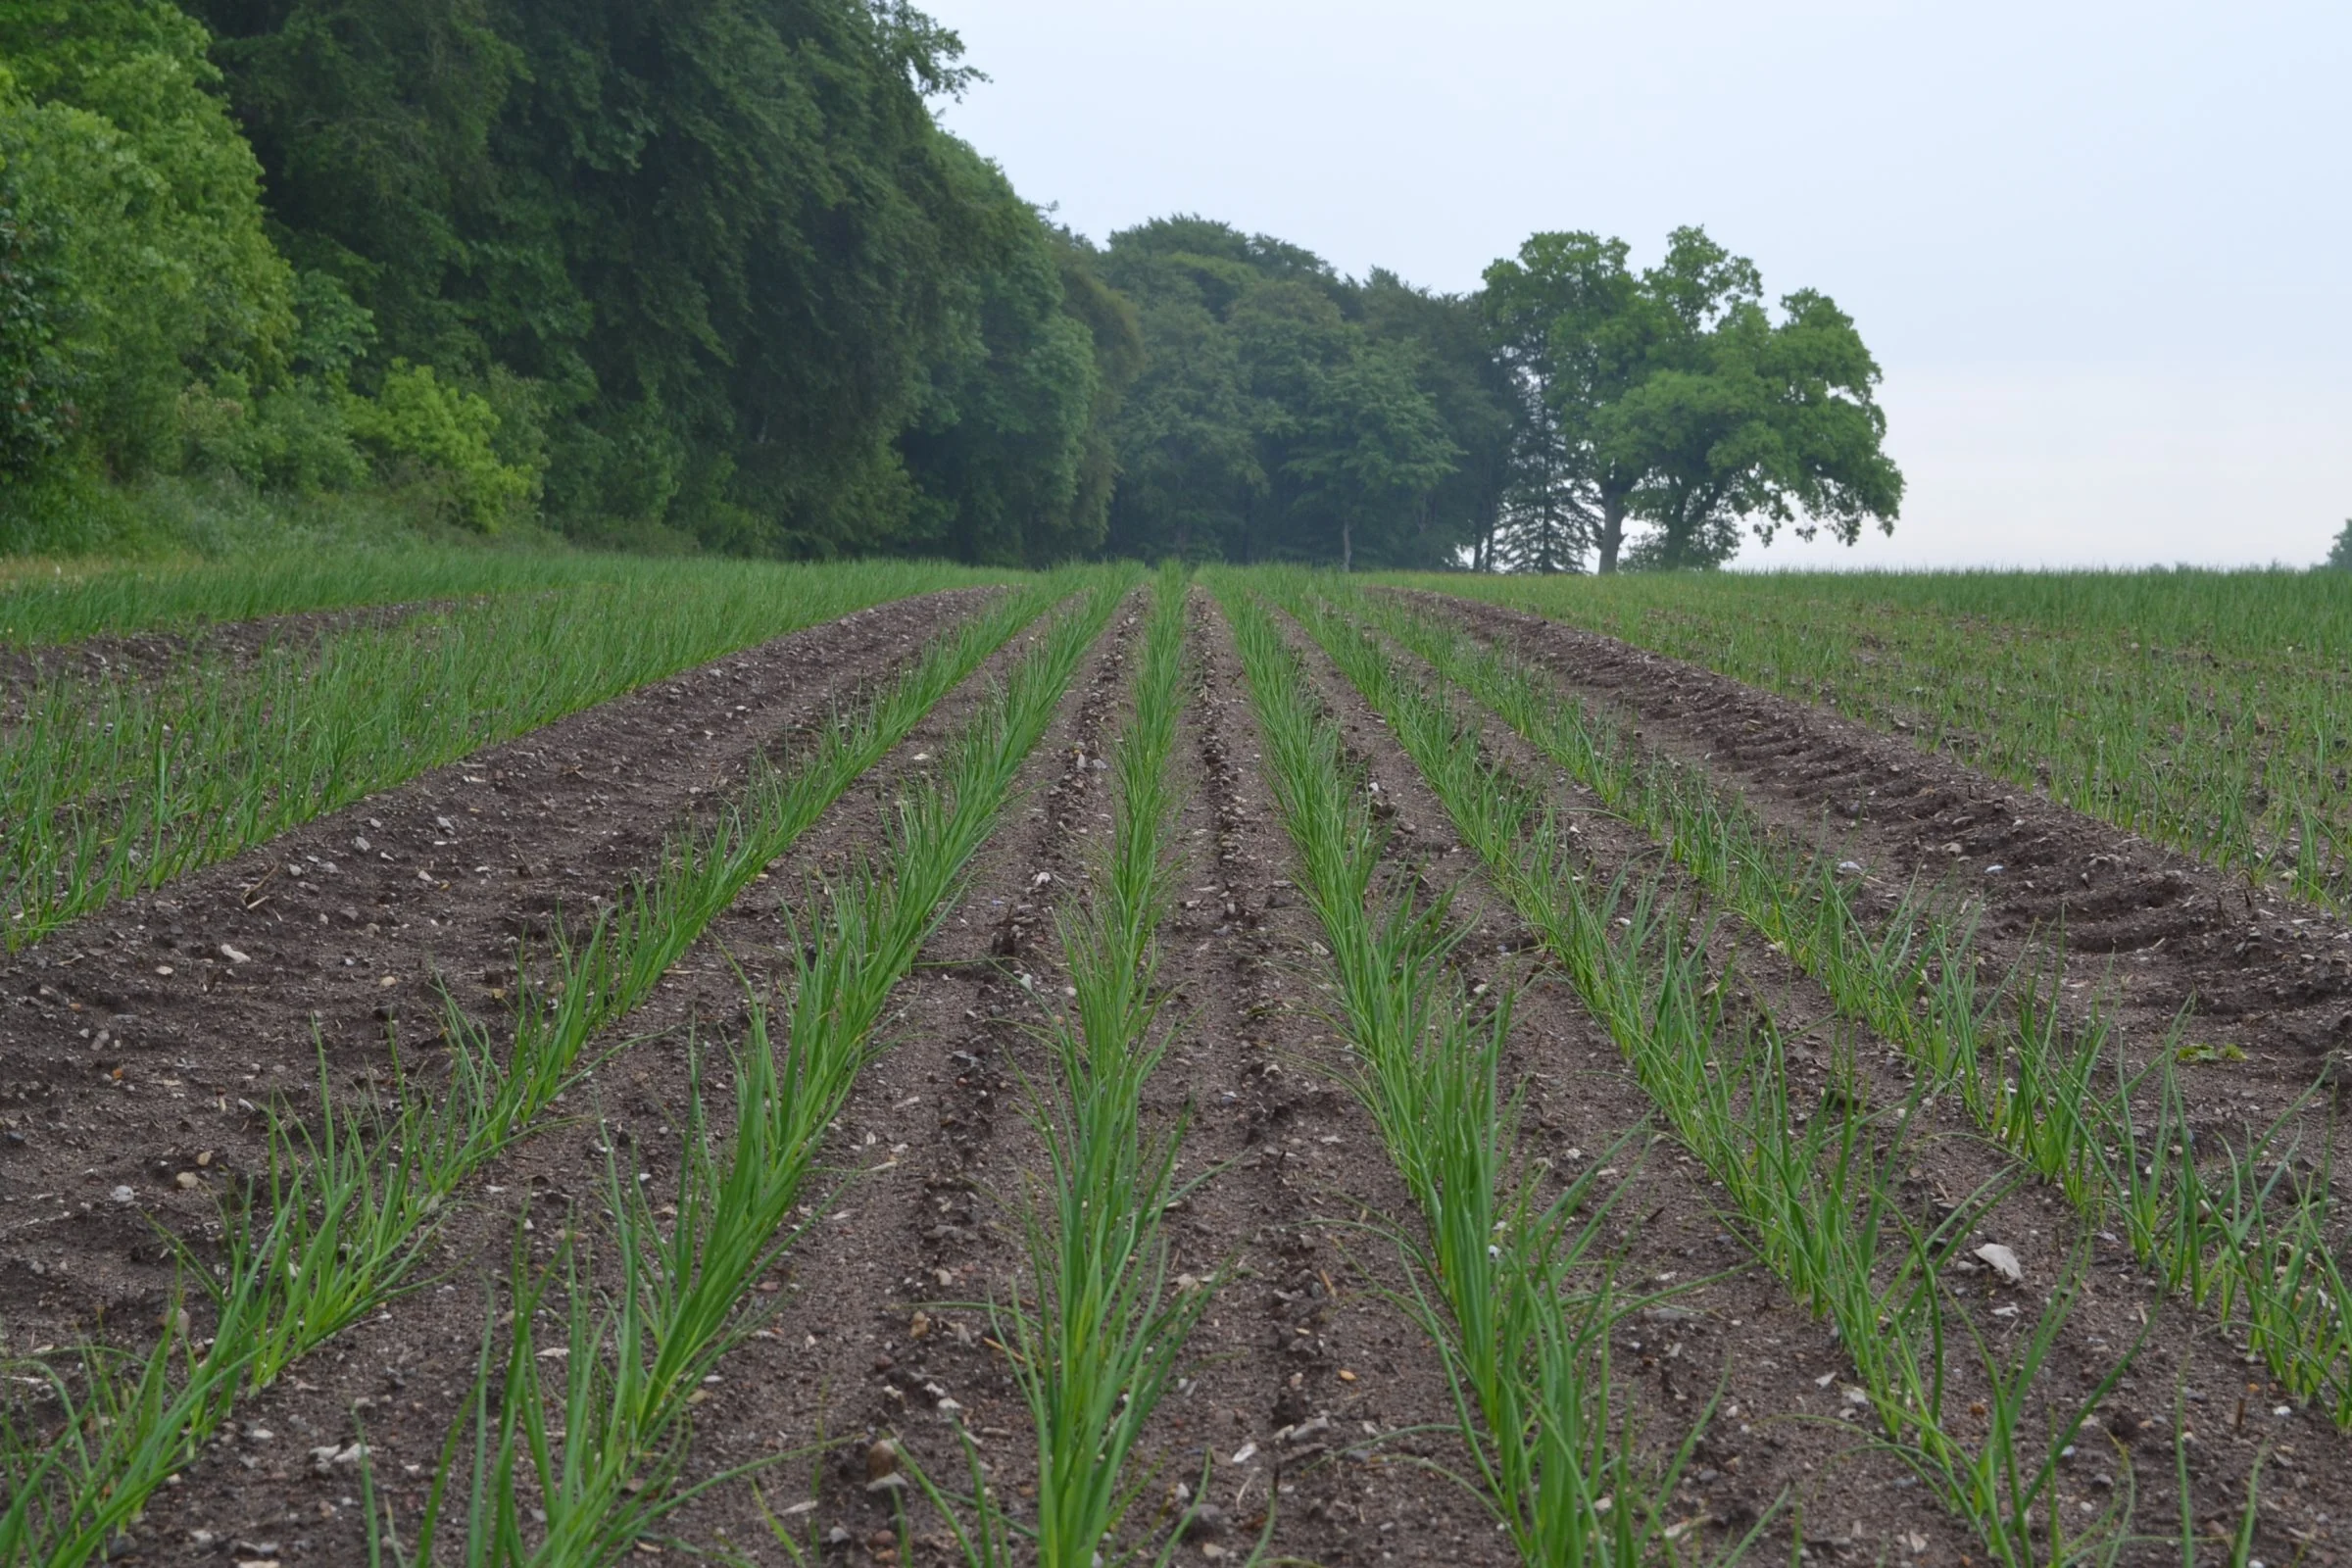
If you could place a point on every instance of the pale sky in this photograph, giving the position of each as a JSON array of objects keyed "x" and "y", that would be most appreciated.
[{"x": 2102, "y": 251}]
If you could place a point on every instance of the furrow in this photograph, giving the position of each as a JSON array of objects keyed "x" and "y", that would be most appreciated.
[
  {"x": 343, "y": 1228},
  {"x": 2086, "y": 1322}
]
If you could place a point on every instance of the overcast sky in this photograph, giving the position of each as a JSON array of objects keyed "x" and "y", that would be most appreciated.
[{"x": 2102, "y": 251}]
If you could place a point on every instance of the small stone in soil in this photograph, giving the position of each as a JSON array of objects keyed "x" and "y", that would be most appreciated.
[{"x": 2001, "y": 1261}]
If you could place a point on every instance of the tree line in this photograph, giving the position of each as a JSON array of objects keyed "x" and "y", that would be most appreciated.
[{"x": 712, "y": 273}]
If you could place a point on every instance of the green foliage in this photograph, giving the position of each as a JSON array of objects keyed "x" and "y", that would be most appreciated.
[
  {"x": 1279, "y": 416},
  {"x": 36, "y": 407},
  {"x": 2340, "y": 554},
  {"x": 721, "y": 254},
  {"x": 1006, "y": 450},
  {"x": 446, "y": 439},
  {"x": 1472, "y": 392},
  {"x": 714, "y": 277},
  {"x": 1672, "y": 397},
  {"x": 139, "y": 198}
]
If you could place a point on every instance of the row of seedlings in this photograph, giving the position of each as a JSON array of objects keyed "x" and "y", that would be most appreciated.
[
  {"x": 2170, "y": 710},
  {"x": 47, "y": 609},
  {"x": 2255, "y": 1237},
  {"x": 1096, "y": 1341},
  {"x": 587, "y": 1470},
  {"x": 111, "y": 787},
  {"x": 1504, "y": 1279},
  {"x": 1818, "y": 1194},
  {"x": 347, "y": 1212}
]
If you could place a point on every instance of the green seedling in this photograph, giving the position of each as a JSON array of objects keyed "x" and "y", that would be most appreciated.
[
  {"x": 1494, "y": 1267},
  {"x": 113, "y": 786}
]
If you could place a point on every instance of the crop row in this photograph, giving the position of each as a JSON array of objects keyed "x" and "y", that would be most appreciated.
[
  {"x": 112, "y": 787},
  {"x": 2209, "y": 728},
  {"x": 1500, "y": 1270},
  {"x": 347, "y": 1217},
  {"x": 1817, "y": 1196},
  {"x": 587, "y": 1471},
  {"x": 1095, "y": 1339},
  {"x": 2245, "y": 1232}
]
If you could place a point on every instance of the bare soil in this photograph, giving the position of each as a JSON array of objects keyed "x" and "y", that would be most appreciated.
[
  {"x": 2263, "y": 971},
  {"x": 1896, "y": 810},
  {"x": 137, "y": 1046},
  {"x": 138, "y": 1041}
]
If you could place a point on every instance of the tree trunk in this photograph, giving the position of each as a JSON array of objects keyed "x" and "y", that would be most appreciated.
[
  {"x": 1612, "y": 531},
  {"x": 1346, "y": 547}
]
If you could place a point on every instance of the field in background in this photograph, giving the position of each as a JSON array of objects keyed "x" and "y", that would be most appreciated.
[
  {"x": 55, "y": 602},
  {"x": 123, "y": 770},
  {"x": 2209, "y": 710}
]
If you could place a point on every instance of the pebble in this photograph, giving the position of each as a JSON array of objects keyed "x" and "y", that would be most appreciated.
[
  {"x": 2001, "y": 1261},
  {"x": 124, "y": 1196}
]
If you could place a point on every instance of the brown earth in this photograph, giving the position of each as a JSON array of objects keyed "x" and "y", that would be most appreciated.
[
  {"x": 1304, "y": 1387},
  {"x": 2152, "y": 931},
  {"x": 400, "y": 1379},
  {"x": 935, "y": 1227},
  {"x": 1722, "y": 1327},
  {"x": 137, "y": 1042},
  {"x": 2184, "y": 1359}
]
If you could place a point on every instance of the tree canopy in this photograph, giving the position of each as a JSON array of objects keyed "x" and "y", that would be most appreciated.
[
  {"x": 713, "y": 274},
  {"x": 1286, "y": 413},
  {"x": 1672, "y": 397}
]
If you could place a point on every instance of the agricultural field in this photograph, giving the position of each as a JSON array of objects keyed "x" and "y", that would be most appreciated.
[{"x": 567, "y": 1061}]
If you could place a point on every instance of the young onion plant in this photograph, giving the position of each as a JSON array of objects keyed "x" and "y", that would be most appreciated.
[
  {"x": 112, "y": 787},
  {"x": 1818, "y": 1190},
  {"x": 346, "y": 1215},
  {"x": 2203, "y": 711},
  {"x": 1096, "y": 1341},
  {"x": 683, "y": 1299},
  {"x": 2038, "y": 1089},
  {"x": 1501, "y": 1277}
]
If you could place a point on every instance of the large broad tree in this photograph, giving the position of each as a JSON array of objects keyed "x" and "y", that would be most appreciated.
[
  {"x": 1749, "y": 424},
  {"x": 1672, "y": 397}
]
